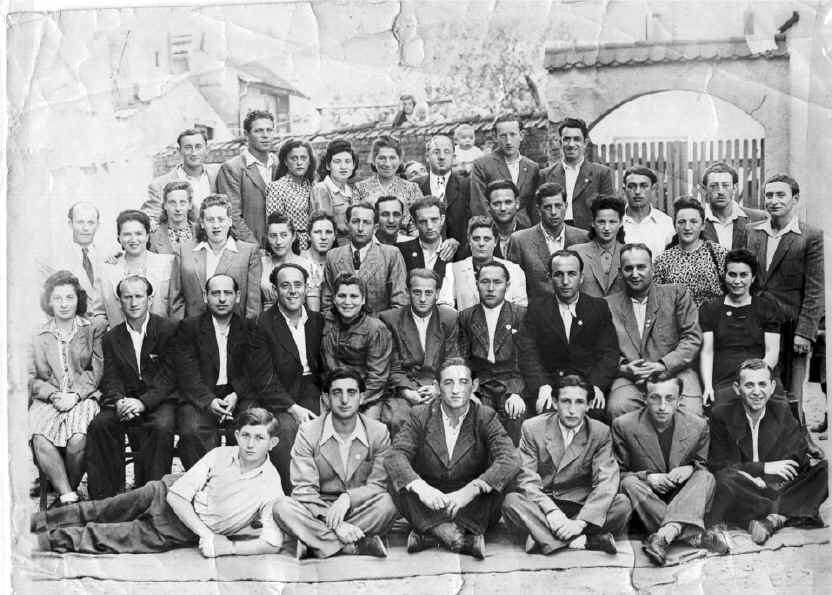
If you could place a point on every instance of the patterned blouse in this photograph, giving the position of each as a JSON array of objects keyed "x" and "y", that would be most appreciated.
[
  {"x": 370, "y": 189},
  {"x": 700, "y": 271},
  {"x": 293, "y": 200}
]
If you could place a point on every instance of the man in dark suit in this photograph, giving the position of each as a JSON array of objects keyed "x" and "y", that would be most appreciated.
[
  {"x": 572, "y": 332},
  {"x": 210, "y": 356},
  {"x": 760, "y": 457},
  {"x": 138, "y": 395},
  {"x": 488, "y": 339},
  {"x": 424, "y": 336},
  {"x": 790, "y": 254},
  {"x": 506, "y": 163},
  {"x": 662, "y": 451},
  {"x": 426, "y": 250},
  {"x": 453, "y": 189},
  {"x": 566, "y": 494},
  {"x": 449, "y": 465},
  {"x": 581, "y": 180},
  {"x": 726, "y": 222},
  {"x": 504, "y": 208},
  {"x": 532, "y": 248},
  {"x": 284, "y": 361},
  {"x": 244, "y": 178}
]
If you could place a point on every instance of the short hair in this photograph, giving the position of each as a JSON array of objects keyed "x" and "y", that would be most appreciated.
[
  {"x": 283, "y": 154},
  {"x": 215, "y": 275},
  {"x": 320, "y": 215},
  {"x": 565, "y": 253},
  {"x": 507, "y": 118},
  {"x": 335, "y": 146},
  {"x": 256, "y": 115},
  {"x": 720, "y": 167},
  {"x": 574, "y": 378},
  {"x": 148, "y": 285},
  {"x": 450, "y": 362},
  {"x": 743, "y": 256},
  {"x": 657, "y": 378},
  {"x": 639, "y": 170},
  {"x": 213, "y": 200},
  {"x": 191, "y": 132},
  {"x": 494, "y": 264},
  {"x": 687, "y": 202},
  {"x": 385, "y": 141},
  {"x": 422, "y": 273},
  {"x": 341, "y": 373},
  {"x": 349, "y": 279},
  {"x": 71, "y": 213},
  {"x": 573, "y": 123},
  {"x": 426, "y": 202},
  {"x": 429, "y": 142},
  {"x": 276, "y": 218},
  {"x": 173, "y": 187},
  {"x": 608, "y": 202},
  {"x": 287, "y": 265},
  {"x": 478, "y": 221},
  {"x": 257, "y": 416},
  {"x": 366, "y": 205},
  {"x": 754, "y": 364},
  {"x": 57, "y": 279},
  {"x": 133, "y": 215},
  {"x": 786, "y": 179},
  {"x": 633, "y": 246},
  {"x": 501, "y": 184},
  {"x": 548, "y": 189}
]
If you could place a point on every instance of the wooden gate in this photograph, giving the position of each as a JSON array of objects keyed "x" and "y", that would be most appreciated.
[{"x": 679, "y": 165}]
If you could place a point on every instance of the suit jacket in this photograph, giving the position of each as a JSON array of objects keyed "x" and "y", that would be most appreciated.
[
  {"x": 414, "y": 259},
  {"x": 780, "y": 437},
  {"x": 739, "y": 234},
  {"x": 382, "y": 270},
  {"x": 160, "y": 240},
  {"x": 593, "y": 179},
  {"x": 197, "y": 359},
  {"x": 795, "y": 278},
  {"x": 334, "y": 204},
  {"x": 457, "y": 205},
  {"x": 246, "y": 189},
  {"x": 637, "y": 449},
  {"x": 483, "y": 451},
  {"x": 156, "y": 383},
  {"x": 153, "y": 205},
  {"x": 409, "y": 362},
  {"x": 492, "y": 167},
  {"x": 465, "y": 284},
  {"x": 274, "y": 368},
  {"x": 243, "y": 265},
  {"x": 671, "y": 332},
  {"x": 546, "y": 352},
  {"x": 585, "y": 473},
  {"x": 319, "y": 475},
  {"x": 528, "y": 248},
  {"x": 473, "y": 345},
  {"x": 596, "y": 282},
  {"x": 163, "y": 274}
]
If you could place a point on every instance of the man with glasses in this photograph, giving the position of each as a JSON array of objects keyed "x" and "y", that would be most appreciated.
[{"x": 726, "y": 222}]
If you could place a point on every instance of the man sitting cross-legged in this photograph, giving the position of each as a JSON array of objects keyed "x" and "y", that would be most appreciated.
[
  {"x": 567, "y": 488},
  {"x": 760, "y": 458},
  {"x": 662, "y": 452},
  {"x": 339, "y": 501},
  {"x": 449, "y": 465},
  {"x": 218, "y": 497}
]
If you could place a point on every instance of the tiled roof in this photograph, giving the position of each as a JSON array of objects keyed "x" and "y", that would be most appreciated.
[{"x": 621, "y": 54}]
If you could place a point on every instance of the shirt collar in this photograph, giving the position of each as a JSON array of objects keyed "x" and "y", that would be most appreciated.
[
  {"x": 183, "y": 175},
  {"x": 792, "y": 226},
  {"x": 549, "y": 237},
  {"x": 446, "y": 419},
  {"x": 418, "y": 319},
  {"x": 736, "y": 212},
  {"x": 571, "y": 307},
  {"x": 218, "y": 329},
  {"x": 751, "y": 422},
  {"x": 335, "y": 189},
  {"x": 446, "y": 176},
  {"x": 143, "y": 330},
  {"x": 651, "y": 215},
  {"x": 230, "y": 244},
  {"x": 639, "y": 301},
  {"x": 303, "y": 317},
  {"x": 235, "y": 460},
  {"x": 50, "y": 327},
  {"x": 362, "y": 252},
  {"x": 576, "y": 167},
  {"x": 248, "y": 159},
  {"x": 359, "y": 432},
  {"x": 494, "y": 310},
  {"x": 564, "y": 429}
]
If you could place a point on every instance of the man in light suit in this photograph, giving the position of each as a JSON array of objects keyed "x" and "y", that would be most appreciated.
[
  {"x": 566, "y": 494},
  {"x": 380, "y": 266},
  {"x": 790, "y": 254},
  {"x": 662, "y": 452},
  {"x": 726, "y": 222},
  {"x": 449, "y": 466},
  {"x": 581, "y": 180},
  {"x": 339, "y": 501},
  {"x": 532, "y": 248},
  {"x": 244, "y": 178},
  {"x": 658, "y": 333},
  {"x": 506, "y": 163},
  {"x": 193, "y": 147}
]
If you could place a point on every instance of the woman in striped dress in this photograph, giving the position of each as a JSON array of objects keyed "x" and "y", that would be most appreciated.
[
  {"x": 291, "y": 193},
  {"x": 64, "y": 371}
]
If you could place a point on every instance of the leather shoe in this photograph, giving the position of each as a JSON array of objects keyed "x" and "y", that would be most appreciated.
[
  {"x": 301, "y": 551},
  {"x": 531, "y": 544},
  {"x": 473, "y": 545},
  {"x": 371, "y": 545},
  {"x": 450, "y": 535},
  {"x": 761, "y": 530},
  {"x": 417, "y": 542},
  {"x": 656, "y": 549},
  {"x": 714, "y": 541},
  {"x": 602, "y": 542}
]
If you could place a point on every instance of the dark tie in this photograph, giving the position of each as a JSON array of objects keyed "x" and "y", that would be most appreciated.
[
  {"x": 356, "y": 260},
  {"x": 87, "y": 264}
]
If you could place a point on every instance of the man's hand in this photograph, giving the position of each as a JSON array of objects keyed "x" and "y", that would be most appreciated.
[
  {"x": 786, "y": 469},
  {"x": 348, "y": 533},
  {"x": 570, "y": 529},
  {"x": 632, "y": 369},
  {"x": 660, "y": 483},
  {"x": 555, "y": 520},
  {"x": 515, "y": 406},
  {"x": 447, "y": 249},
  {"x": 336, "y": 513},
  {"x": 428, "y": 392},
  {"x": 429, "y": 495},
  {"x": 708, "y": 396},
  {"x": 301, "y": 414},
  {"x": 114, "y": 257},
  {"x": 411, "y": 396},
  {"x": 212, "y": 546},
  {"x": 544, "y": 398},
  {"x": 231, "y": 402},
  {"x": 648, "y": 369},
  {"x": 456, "y": 501},
  {"x": 802, "y": 345},
  {"x": 598, "y": 402},
  {"x": 220, "y": 408},
  {"x": 680, "y": 475},
  {"x": 130, "y": 408},
  {"x": 64, "y": 401}
]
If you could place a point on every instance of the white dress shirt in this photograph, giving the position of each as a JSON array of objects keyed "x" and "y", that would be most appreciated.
[
  {"x": 299, "y": 336},
  {"x": 553, "y": 243},
  {"x": 429, "y": 256},
  {"x": 774, "y": 237},
  {"x": 514, "y": 169},
  {"x": 567, "y": 314},
  {"x": 451, "y": 431},
  {"x": 724, "y": 231},
  {"x": 755, "y": 435},
  {"x": 212, "y": 259},
  {"x": 656, "y": 230},
  {"x": 359, "y": 432},
  {"x": 491, "y": 317},
  {"x": 438, "y": 184},
  {"x": 265, "y": 169},
  {"x": 200, "y": 185},
  {"x": 570, "y": 178},
  {"x": 221, "y": 333},
  {"x": 137, "y": 337},
  {"x": 569, "y": 433},
  {"x": 421, "y": 327},
  {"x": 640, "y": 312}
]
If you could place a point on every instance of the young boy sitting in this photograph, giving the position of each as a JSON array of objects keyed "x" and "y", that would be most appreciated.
[{"x": 217, "y": 498}]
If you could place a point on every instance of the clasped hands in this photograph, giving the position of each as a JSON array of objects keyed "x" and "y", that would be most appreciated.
[
  {"x": 422, "y": 395},
  {"x": 128, "y": 408},
  {"x": 346, "y": 532},
  {"x": 224, "y": 408},
  {"x": 452, "y": 503},
  {"x": 663, "y": 483},
  {"x": 63, "y": 400},
  {"x": 640, "y": 370},
  {"x": 563, "y": 527}
]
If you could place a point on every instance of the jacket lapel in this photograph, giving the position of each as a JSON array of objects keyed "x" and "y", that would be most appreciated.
[
  {"x": 208, "y": 338},
  {"x": 371, "y": 261},
  {"x": 433, "y": 338},
  {"x": 358, "y": 452},
  {"x": 500, "y": 162},
  {"x": 541, "y": 247},
  {"x": 435, "y": 436},
  {"x": 284, "y": 337},
  {"x": 646, "y": 436},
  {"x": 479, "y": 328},
  {"x": 465, "y": 440},
  {"x": 757, "y": 240},
  {"x": 681, "y": 438},
  {"x": 200, "y": 259},
  {"x": 554, "y": 441},
  {"x": 523, "y": 175},
  {"x": 581, "y": 181},
  {"x": 786, "y": 243},
  {"x": 649, "y": 316},
  {"x": 150, "y": 339},
  {"x": 737, "y": 233},
  {"x": 503, "y": 331},
  {"x": 225, "y": 262},
  {"x": 410, "y": 333},
  {"x": 623, "y": 306},
  {"x": 451, "y": 191},
  {"x": 576, "y": 447},
  {"x": 595, "y": 264},
  {"x": 332, "y": 455},
  {"x": 254, "y": 175}
]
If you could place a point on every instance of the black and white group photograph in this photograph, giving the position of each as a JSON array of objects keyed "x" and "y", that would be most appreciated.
[{"x": 416, "y": 297}]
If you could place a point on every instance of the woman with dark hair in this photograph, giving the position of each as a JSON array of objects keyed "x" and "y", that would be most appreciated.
[
  {"x": 386, "y": 157},
  {"x": 691, "y": 260},
  {"x": 291, "y": 193},
  {"x": 176, "y": 222},
  {"x": 601, "y": 255},
  {"x": 64, "y": 372},
  {"x": 335, "y": 193},
  {"x": 736, "y": 327},
  {"x": 321, "y": 239},
  {"x": 133, "y": 229},
  {"x": 277, "y": 250}
]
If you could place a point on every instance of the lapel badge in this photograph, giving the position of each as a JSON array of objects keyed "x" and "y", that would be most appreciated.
[
  {"x": 508, "y": 327},
  {"x": 414, "y": 255},
  {"x": 728, "y": 313},
  {"x": 580, "y": 322}
]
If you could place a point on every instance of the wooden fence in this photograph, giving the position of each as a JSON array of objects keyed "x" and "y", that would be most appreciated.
[{"x": 679, "y": 165}]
